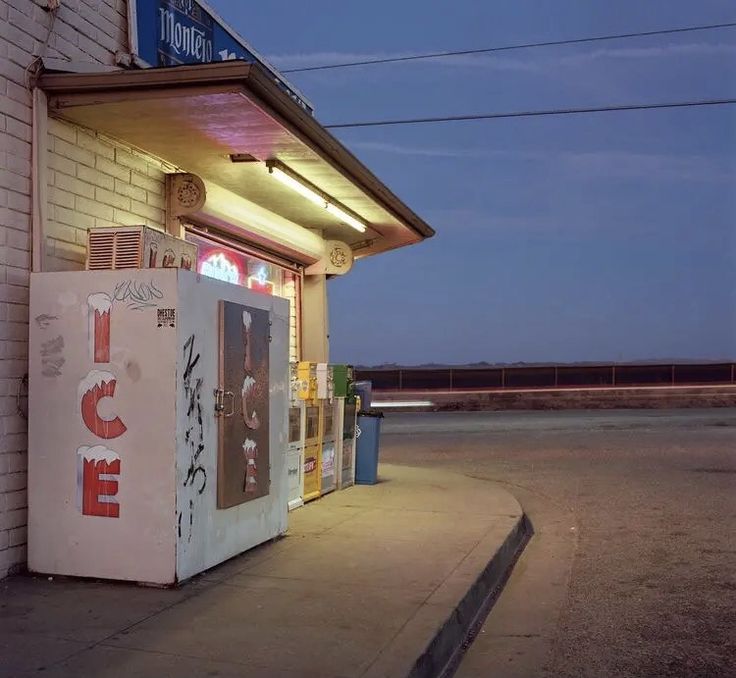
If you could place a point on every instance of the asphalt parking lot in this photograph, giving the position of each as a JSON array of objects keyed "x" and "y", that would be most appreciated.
[{"x": 632, "y": 569}]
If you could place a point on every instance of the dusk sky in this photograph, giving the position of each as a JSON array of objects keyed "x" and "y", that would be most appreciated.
[{"x": 589, "y": 237}]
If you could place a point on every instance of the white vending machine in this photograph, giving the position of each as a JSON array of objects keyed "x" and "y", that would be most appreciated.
[
  {"x": 295, "y": 451},
  {"x": 158, "y": 405}
]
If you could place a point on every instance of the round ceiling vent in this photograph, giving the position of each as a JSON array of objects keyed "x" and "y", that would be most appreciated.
[{"x": 188, "y": 193}]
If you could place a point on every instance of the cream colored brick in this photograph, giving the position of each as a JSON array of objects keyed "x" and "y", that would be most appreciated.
[
  {"x": 96, "y": 50},
  {"x": 16, "y": 499},
  {"x": 18, "y": 258},
  {"x": 147, "y": 211},
  {"x": 155, "y": 171},
  {"x": 14, "y": 294},
  {"x": 14, "y": 369},
  {"x": 105, "y": 223},
  {"x": 108, "y": 167},
  {"x": 21, "y": 166},
  {"x": 61, "y": 231},
  {"x": 65, "y": 250},
  {"x": 61, "y": 48},
  {"x": 63, "y": 130},
  {"x": 19, "y": 93},
  {"x": 156, "y": 200},
  {"x": 17, "y": 276},
  {"x": 61, "y": 164},
  {"x": 93, "y": 208},
  {"x": 60, "y": 197},
  {"x": 26, "y": 25},
  {"x": 18, "y": 129},
  {"x": 126, "y": 188},
  {"x": 12, "y": 144},
  {"x": 15, "y": 424},
  {"x": 95, "y": 177},
  {"x": 8, "y": 67},
  {"x": 82, "y": 235},
  {"x": 17, "y": 517},
  {"x": 17, "y": 313},
  {"x": 11, "y": 218},
  {"x": 71, "y": 217},
  {"x": 73, "y": 185},
  {"x": 66, "y": 31},
  {"x": 92, "y": 143},
  {"x": 17, "y": 349},
  {"x": 109, "y": 198},
  {"x": 129, "y": 160},
  {"x": 17, "y": 239},
  {"x": 14, "y": 182},
  {"x": 18, "y": 535},
  {"x": 146, "y": 182},
  {"x": 19, "y": 201},
  {"x": 73, "y": 152},
  {"x": 127, "y": 218}
]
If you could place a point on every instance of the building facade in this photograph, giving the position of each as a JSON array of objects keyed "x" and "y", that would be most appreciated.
[{"x": 157, "y": 114}]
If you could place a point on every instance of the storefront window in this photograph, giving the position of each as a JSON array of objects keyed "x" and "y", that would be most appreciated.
[{"x": 232, "y": 265}]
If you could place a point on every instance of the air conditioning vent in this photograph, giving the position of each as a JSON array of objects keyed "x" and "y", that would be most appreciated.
[
  {"x": 111, "y": 249},
  {"x": 123, "y": 247}
]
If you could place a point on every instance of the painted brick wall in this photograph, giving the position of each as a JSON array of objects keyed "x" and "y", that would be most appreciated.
[
  {"x": 84, "y": 30},
  {"x": 94, "y": 181}
]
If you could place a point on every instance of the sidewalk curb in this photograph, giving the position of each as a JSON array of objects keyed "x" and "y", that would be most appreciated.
[{"x": 444, "y": 652}]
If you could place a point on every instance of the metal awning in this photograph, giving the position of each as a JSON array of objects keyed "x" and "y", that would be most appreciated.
[{"x": 197, "y": 117}]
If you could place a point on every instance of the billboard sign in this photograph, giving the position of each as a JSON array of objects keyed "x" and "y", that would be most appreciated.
[{"x": 172, "y": 32}]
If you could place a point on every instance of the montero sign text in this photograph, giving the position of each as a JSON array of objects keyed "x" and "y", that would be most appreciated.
[{"x": 171, "y": 32}]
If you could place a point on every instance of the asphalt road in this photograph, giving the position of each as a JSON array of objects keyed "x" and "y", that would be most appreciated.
[{"x": 632, "y": 568}]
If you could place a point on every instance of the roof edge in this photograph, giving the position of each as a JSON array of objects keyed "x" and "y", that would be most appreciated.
[{"x": 257, "y": 80}]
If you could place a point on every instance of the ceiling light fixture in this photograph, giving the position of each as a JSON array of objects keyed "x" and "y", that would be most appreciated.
[{"x": 301, "y": 186}]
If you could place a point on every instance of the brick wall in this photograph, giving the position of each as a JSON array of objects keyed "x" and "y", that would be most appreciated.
[
  {"x": 84, "y": 30},
  {"x": 94, "y": 181}
]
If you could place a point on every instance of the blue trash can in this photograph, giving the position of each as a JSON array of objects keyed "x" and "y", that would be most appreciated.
[{"x": 366, "y": 447}]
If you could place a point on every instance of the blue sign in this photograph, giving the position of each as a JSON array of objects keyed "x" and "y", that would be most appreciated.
[{"x": 171, "y": 32}]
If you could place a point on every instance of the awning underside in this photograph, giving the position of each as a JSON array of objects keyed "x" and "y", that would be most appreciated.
[{"x": 198, "y": 128}]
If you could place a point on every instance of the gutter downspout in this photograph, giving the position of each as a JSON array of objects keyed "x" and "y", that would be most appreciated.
[{"x": 39, "y": 179}]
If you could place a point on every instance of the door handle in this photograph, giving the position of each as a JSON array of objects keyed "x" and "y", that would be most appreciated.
[{"x": 220, "y": 397}]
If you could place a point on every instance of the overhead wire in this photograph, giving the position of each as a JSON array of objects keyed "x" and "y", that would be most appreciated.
[
  {"x": 506, "y": 48},
  {"x": 534, "y": 113}
]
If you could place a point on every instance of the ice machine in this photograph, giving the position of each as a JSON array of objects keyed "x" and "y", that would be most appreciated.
[{"x": 158, "y": 412}]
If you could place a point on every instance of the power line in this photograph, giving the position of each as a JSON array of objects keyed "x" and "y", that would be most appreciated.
[
  {"x": 506, "y": 48},
  {"x": 534, "y": 114}
]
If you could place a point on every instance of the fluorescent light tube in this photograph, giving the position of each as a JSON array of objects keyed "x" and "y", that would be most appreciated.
[
  {"x": 289, "y": 178},
  {"x": 349, "y": 219},
  {"x": 297, "y": 186}
]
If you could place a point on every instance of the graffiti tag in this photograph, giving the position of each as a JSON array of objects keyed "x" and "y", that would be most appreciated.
[
  {"x": 138, "y": 295},
  {"x": 196, "y": 475}
]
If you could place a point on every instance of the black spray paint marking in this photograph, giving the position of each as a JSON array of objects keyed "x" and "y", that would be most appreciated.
[
  {"x": 139, "y": 295},
  {"x": 194, "y": 433}
]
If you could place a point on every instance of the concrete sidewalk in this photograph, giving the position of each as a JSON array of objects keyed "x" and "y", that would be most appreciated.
[{"x": 373, "y": 581}]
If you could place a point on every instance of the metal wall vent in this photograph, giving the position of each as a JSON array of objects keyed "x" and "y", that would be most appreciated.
[
  {"x": 118, "y": 247},
  {"x": 112, "y": 249}
]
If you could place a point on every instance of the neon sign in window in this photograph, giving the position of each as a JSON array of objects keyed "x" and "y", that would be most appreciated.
[
  {"x": 219, "y": 265},
  {"x": 260, "y": 282}
]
